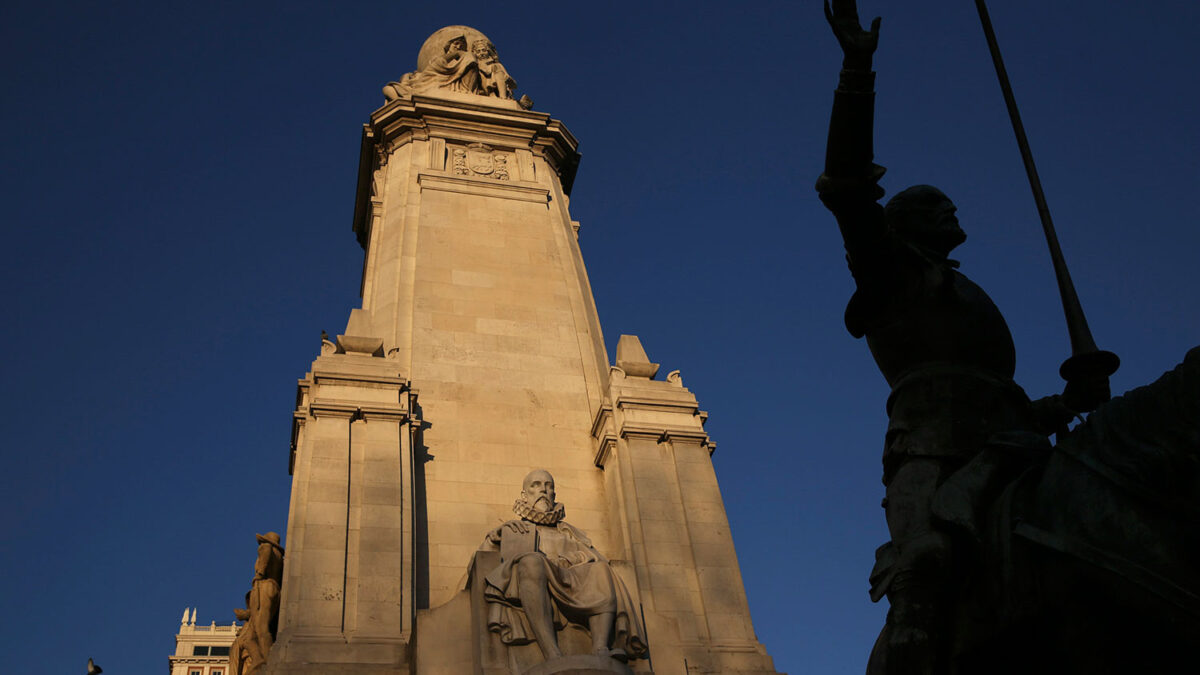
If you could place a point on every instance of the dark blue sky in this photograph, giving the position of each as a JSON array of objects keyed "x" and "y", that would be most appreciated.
[{"x": 178, "y": 183}]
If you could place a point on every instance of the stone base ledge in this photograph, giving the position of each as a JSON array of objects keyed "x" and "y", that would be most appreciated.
[
  {"x": 334, "y": 655},
  {"x": 582, "y": 664}
]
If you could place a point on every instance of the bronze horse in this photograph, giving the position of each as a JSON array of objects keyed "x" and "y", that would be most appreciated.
[{"x": 1090, "y": 562}]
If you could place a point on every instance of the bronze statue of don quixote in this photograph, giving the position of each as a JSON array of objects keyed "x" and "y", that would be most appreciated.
[{"x": 1009, "y": 553}]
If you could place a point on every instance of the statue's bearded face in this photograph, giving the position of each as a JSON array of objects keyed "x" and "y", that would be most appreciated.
[{"x": 538, "y": 490}]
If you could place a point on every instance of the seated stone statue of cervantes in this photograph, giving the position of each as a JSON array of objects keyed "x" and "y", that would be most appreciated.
[{"x": 549, "y": 574}]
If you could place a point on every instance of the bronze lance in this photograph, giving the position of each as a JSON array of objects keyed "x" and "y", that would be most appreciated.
[{"x": 1086, "y": 361}]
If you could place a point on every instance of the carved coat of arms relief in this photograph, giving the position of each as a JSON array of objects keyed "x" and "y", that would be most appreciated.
[{"x": 479, "y": 159}]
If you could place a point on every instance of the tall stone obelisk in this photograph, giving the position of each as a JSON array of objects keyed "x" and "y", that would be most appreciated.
[{"x": 477, "y": 356}]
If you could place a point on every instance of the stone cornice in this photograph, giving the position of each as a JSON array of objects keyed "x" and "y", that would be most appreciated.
[
  {"x": 322, "y": 376},
  {"x": 637, "y": 430},
  {"x": 299, "y": 417},
  {"x": 356, "y": 411},
  {"x": 605, "y": 439},
  {"x": 421, "y": 106},
  {"x": 663, "y": 433},
  {"x": 529, "y": 192},
  {"x": 604, "y": 447},
  {"x": 601, "y": 418},
  {"x": 625, "y": 402},
  {"x": 673, "y": 435},
  {"x": 656, "y": 433}
]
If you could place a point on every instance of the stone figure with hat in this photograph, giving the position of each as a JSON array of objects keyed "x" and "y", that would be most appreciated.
[{"x": 253, "y": 643}]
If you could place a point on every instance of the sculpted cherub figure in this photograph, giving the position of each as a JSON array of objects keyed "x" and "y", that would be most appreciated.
[{"x": 494, "y": 79}]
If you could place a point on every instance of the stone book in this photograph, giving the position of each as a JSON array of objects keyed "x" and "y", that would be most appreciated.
[{"x": 514, "y": 543}]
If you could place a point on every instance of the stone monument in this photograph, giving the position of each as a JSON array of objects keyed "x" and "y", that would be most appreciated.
[{"x": 477, "y": 356}]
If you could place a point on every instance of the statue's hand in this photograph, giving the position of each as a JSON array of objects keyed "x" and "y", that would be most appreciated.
[
  {"x": 857, "y": 44},
  {"x": 518, "y": 526},
  {"x": 1086, "y": 394}
]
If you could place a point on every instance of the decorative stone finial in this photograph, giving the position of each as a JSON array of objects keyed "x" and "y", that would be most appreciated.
[
  {"x": 358, "y": 338},
  {"x": 632, "y": 359}
]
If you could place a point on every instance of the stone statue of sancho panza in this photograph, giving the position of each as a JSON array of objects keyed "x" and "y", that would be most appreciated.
[{"x": 549, "y": 574}]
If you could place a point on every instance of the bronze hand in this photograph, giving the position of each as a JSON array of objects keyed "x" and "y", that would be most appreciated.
[{"x": 857, "y": 44}]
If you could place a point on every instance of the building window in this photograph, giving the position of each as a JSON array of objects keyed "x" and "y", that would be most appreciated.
[
  {"x": 218, "y": 651},
  {"x": 200, "y": 650},
  {"x": 214, "y": 672},
  {"x": 195, "y": 671}
]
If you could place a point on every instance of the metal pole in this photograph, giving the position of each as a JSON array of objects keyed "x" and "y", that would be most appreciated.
[{"x": 1086, "y": 359}]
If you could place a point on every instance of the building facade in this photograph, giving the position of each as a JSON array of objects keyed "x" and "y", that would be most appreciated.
[{"x": 200, "y": 649}]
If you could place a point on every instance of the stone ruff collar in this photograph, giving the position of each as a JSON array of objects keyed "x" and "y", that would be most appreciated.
[{"x": 526, "y": 511}]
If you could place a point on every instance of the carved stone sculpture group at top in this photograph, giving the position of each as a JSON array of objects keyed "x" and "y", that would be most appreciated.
[{"x": 456, "y": 59}]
